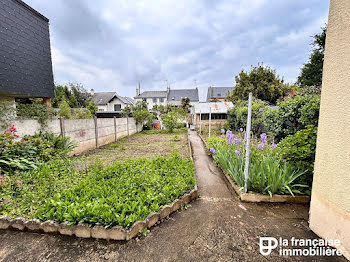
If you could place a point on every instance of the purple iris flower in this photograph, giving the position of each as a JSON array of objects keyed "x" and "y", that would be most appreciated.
[
  {"x": 263, "y": 138},
  {"x": 212, "y": 150},
  {"x": 222, "y": 131},
  {"x": 261, "y": 146},
  {"x": 237, "y": 141},
  {"x": 273, "y": 146},
  {"x": 222, "y": 136},
  {"x": 237, "y": 152},
  {"x": 241, "y": 129}
]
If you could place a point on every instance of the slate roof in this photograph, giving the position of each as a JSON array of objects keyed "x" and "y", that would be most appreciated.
[
  {"x": 102, "y": 98},
  {"x": 178, "y": 94},
  {"x": 218, "y": 92},
  {"x": 151, "y": 94}
]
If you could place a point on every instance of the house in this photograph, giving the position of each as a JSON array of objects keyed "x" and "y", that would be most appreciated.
[
  {"x": 218, "y": 93},
  {"x": 175, "y": 96},
  {"x": 110, "y": 101},
  {"x": 216, "y": 110},
  {"x": 151, "y": 97},
  {"x": 25, "y": 54},
  {"x": 330, "y": 197},
  {"x": 168, "y": 97}
]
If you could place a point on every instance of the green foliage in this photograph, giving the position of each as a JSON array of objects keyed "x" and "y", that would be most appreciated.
[
  {"x": 117, "y": 195},
  {"x": 237, "y": 116},
  {"x": 92, "y": 107},
  {"x": 64, "y": 110},
  {"x": 34, "y": 109},
  {"x": 292, "y": 115},
  {"x": 73, "y": 93},
  {"x": 30, "y": 151},
  {"x": 140, "y": 105},
  {"x": 82, "y": 96},
  {"x": 311, "y": 72},
  {"x": 185, "y": 104},
  {"x": 126, "y": 111},
  {"x": 262, "y": 81},
  {"x": 80, "y": 113},
  {"x": 300, "y": 149},
  {"x": 142, "y": 116},
  {"x": 172, "y": 119},
  {"x": 268, "y": 173},
  {"x": 7, "y": 113}
]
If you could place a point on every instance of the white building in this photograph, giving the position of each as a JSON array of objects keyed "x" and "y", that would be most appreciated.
[
  {"x": 168, "y": 97},
  {"x": 110, "y": 101}
]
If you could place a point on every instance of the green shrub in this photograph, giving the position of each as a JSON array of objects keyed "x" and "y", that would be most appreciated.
[
  {"x": 120, "y": 194},
  {"x": 237, "y": 116},
  {"x": 35, "y": 110},
  {"x": 171, "y": 120},
  {"x": 292, "y": 115},
  {"x": 300, "y": 150},
  {"x": 81, "y": 114},
  {"x": 30, "y": 151},
  {"x": 64, "y": 110}
]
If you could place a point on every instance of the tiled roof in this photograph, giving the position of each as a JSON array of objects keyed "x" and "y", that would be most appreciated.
[
  {"x": 218, "y": 92},
  {"x": 102, "y": 98},
  {"x": 178, "y": 94}
]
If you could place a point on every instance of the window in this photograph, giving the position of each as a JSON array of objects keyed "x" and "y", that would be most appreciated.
[
  {"x": 154, "y": 100},
  {"x": 214, "y": 116},
  {"x": 117, "y": 107},
  {"x": 101, "y": 110},
  {"x": 144, "y": 99},
  {"x": 161, "y": 99}
]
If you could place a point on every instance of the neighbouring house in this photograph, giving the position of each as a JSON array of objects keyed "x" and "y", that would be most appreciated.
[
  {"x": 330, "y": 198},
  {"x": 25, "y": 54},
  {"x": 218, "y": 93},
  {"x": 175, "y": 96},
  {"x": 151, "y": 97},
  {"x": 111, "y": 101},
  {"x": 217, "y": 111},
  {"x": 168, "y": 97}
]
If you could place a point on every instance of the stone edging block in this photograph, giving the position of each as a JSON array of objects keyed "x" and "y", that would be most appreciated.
[{"x": 85, "y": 231}]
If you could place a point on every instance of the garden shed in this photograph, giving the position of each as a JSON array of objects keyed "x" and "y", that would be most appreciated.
[{"x": 217, "y": 111}]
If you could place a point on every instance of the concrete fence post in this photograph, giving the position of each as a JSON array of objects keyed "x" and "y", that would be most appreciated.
[
  {"x": 96, "y": 131},
  {"x": 115, "y": 129},
  {"x": 62, "y": 127},
  {"x": 127, "y": 125}
]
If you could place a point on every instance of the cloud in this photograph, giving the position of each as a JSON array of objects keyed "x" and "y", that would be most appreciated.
[{"x": 112, "y": 45}]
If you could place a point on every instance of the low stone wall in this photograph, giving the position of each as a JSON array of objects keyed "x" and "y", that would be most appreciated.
[
  {"x": 88, "y": 133},
  {"x": 256, "y": 197}
]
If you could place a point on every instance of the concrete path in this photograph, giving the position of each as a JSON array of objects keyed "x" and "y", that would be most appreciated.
[{"x": 216, "y": 228}]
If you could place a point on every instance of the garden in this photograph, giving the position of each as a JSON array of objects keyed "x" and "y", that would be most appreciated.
[
  {"x": 283, "y": 135},
  {"x": 118, "y": 184}
]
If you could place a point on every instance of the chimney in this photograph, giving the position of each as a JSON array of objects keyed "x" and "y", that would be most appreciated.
[
  {"x": 92, "y": 92},
  {"x": 167, "y": 89},
  {"x": 137, "y": 91}
]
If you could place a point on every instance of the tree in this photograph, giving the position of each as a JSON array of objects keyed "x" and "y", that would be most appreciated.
[
  {"x": 171, "y": 119},
  {"x": 63, "y": 93},
  {"x": 185, "y": 103},
  {"x": 311, "y": 72},
  {"x": 126, "y": 111},
  {"x": 142, "y": 116},
  {"x": 262, "y": 81},
  {"x": 64, "y": 110},
  {"x": 92, "y": 107},
  {"x": 82, "y": 96},
  {"x": 140, "y": 105}
]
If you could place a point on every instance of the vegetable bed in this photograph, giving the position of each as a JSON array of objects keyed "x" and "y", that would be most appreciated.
[{"x": 120, "y": 194}]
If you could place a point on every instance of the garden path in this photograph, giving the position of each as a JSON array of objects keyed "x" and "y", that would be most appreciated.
[{"x": 218, "y": 227}]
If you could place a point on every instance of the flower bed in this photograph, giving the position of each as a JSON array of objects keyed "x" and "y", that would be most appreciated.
[
  {"x": 118, "y": 195},
  {"x": 268, "y": 173}
]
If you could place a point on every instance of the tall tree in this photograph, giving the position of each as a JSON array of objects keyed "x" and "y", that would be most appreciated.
[
  {"x": 311, "y": 72},
  {"x": 82, "y": 96},
  {"x": 262, "y": 81}
]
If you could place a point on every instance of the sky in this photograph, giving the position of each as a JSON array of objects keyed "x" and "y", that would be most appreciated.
[{"x": 110, "y": 45}]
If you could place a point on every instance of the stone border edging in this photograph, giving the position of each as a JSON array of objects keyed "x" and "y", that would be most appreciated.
[
  {"x": 257, "y": 197},
  {"x": 83, "y": 230}
]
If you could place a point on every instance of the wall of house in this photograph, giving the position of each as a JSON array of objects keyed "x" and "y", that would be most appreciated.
[
  {"x": 83, "y": 131},
  {"x": 110, "y": 105},
  {"x": 330, "y": 200},
  {"x": 151, "y": 103},
  {"x": 7, "y": 102}
]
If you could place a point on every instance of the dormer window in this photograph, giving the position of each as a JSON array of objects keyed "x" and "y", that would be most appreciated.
[
  {"x": 173, "y": 98},
  {"x": 219, "y": 94}
]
